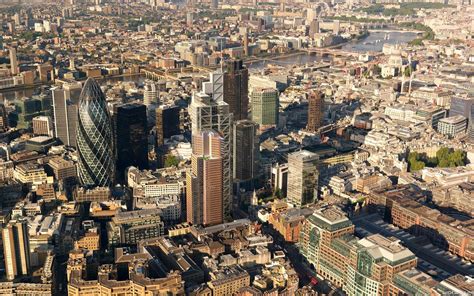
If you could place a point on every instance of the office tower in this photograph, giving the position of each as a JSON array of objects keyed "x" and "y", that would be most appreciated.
[
  {"x": 246, "y": 150},
  {"x": 167, "y": 123},
  {"x": 189, "y": 19},
  {"x": 265, "y": 105},
  {"x": 204, "y": 182},
  {"x": 3, "y": 118},
  {"x": 131, "y": 137},
  {"x": 280, "y": 178},
  {"x": 72, "y": 92},
  {"x": 317, "y": 235},
  {"x": 134, "y": 226},
  {"x": 336, "y": 27},
  {"x": 208, "y": 111},
  {"x": 464, "y": 107},
  {"x": 17, "y": 19},
  {"x": 315, "y": 111},
  {"x": 313, "y": 28},
  {"x": 13, "y": 61},
  {"x": 310, "y": 15},
  {"x": 150, "y": 94},
  {"x": 246, "y": 48},
  {"x": 94, "y": 138},
  {"x": 373, "y": 263},
  {"x": 43, "y": 126},
  {"x": 236, "y": 89},
  {"x": 16, "y": 249},
  {"x": 302, "y": 178},
  {"x": 65, "y": 117},
  {"x": 72, "y": 63},
  {"x": 28, "y": 108}
]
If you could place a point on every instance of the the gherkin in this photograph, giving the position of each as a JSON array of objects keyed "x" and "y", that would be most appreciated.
[{"x": 94, "y": 138}]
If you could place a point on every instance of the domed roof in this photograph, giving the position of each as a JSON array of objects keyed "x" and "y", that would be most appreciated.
[{"x": 91, "y": 91}]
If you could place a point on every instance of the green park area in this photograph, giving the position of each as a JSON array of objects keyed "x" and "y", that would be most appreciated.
[
  {"x": 445, "y": 157},
  {"x": 405, "y": 8}
]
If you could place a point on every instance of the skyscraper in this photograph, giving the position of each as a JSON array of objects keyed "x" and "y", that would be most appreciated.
[
  {"x": 3, "y": 118},
  {"x": 167, "y": 123},
  {"x": 94, "y": 138},
  {"x": 265, "y": 105},
  {"x": 150, "y": 94},
  {"x": 13, "y": 61},
  {"x": 65, "y": 117},
  {"x": 302, "y": 178},
  {"x": 131, "y": 137},
  {"x": 208, "y": 111},
  {"x": 42, "y": 126},
  {"x": 236, "y": 89},
  {"x": 205, "y": 180},
  {"x": 16, "y": 248},
  {"x": 315, "y": 111},
  {"x": 464, "y": 107},
  {"x": 246, "y": 150},
  {"x": 336, "y": 27},
  {"x": 313, "y": 28}
]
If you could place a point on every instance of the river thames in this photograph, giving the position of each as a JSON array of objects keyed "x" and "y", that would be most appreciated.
[{"x": 373, "y": 42}]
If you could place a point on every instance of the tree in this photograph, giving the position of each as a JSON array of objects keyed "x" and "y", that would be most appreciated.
[
  {"x": 408, "y": 71},
  {"x": 416, "y": 165},
  {"x": 457, "y": 158},
  {"x": 278, "y": 193},
  {"x": 442, "y": 153},
  {"x": 171, "y": 160}
]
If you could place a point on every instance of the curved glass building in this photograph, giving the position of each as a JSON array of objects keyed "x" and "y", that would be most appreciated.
[{"x": 94, "y": 138}]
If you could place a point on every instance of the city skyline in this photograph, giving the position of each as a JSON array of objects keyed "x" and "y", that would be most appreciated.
[{"x": 236, "y": 147}]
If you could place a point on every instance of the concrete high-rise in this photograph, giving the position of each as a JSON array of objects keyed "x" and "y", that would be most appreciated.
[
  {"x": 303, "y": 178},
  {"x": 246, "y": 150},
  {"x": 65, "y": 117},
  {"x": 265, "y": 105},
  {"x": 13, "y": 61},
  {"x": 131, "y": 137},
  {"x": 236, "y": 88},
  {"x": 208, "y": 111},
  {"x": 150, "y": 94},
  {"x": 204, "y": 192},
  {"x": 42, "y": 126},
  {"x": 313, "y": 28},
  {"x": 315, "y": 111},
  {"x": 336, "y": 27},
  {"x": 96, "y": 164},
  {"x": 16, "y": 249}
]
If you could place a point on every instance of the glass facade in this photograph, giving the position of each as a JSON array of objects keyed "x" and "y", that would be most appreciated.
[{"x": 94, "y": 138}]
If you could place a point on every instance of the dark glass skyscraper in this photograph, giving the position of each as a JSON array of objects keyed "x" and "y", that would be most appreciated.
[
  {"x": 464, "y": 107},
  {"x": 315, "y": 111},
  {"x": 246, "y": 150},
  {"x": 236, "y": 89},
  {"x": 131, "y": 139},
  {"x": 167, "y": 123},
  {"x": 94, "y": 138}
]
